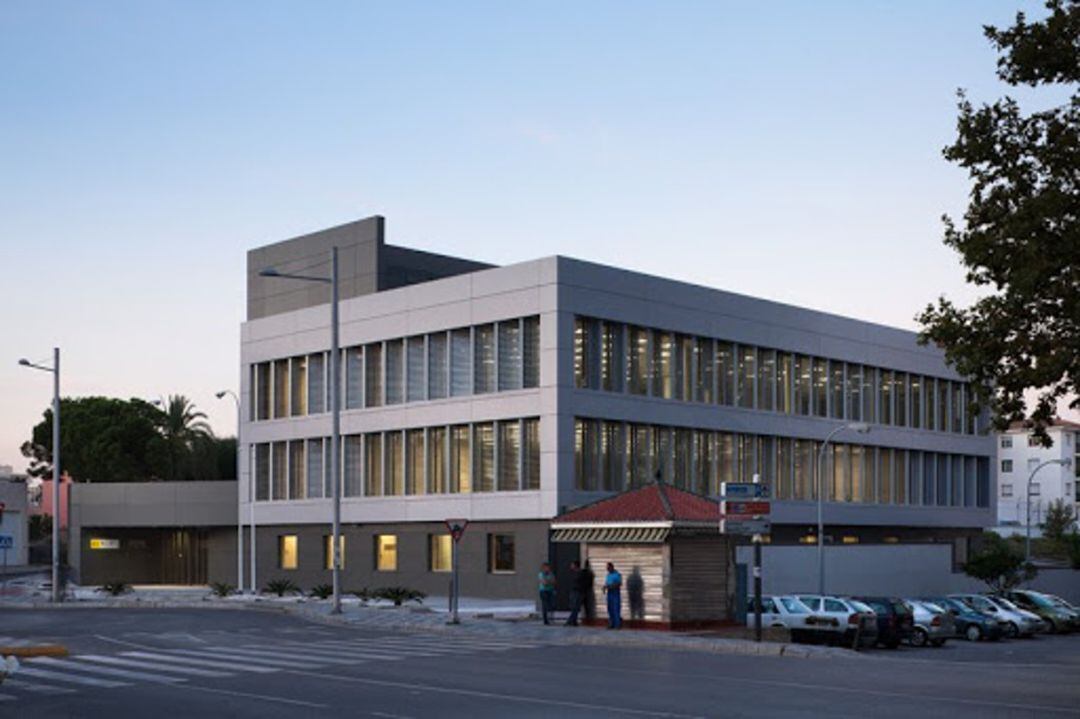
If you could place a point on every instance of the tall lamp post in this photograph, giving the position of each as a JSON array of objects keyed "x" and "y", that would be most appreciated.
[
  {"x": 335, "y": 409},
  {"x": 861, "y": 428},
  {"x": 1066, "y": 462},
  {"x": 55, "y": 369},
  {"x": 251, "y": 504}
]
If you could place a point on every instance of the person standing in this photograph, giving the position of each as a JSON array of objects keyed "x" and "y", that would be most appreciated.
[
  {"x": 613, "y": 589},
  {"x": 588, "y": 596},
  {"x": 577, "y": 595},
  {"x": 547, "y": 592}
]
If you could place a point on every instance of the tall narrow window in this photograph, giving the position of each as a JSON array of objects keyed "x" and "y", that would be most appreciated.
[
  {"x": 683, "y": 457},
  {"x": 854, "y": 392},
  {"x": 509, "y": 456},
  {"x": 436, "y": 460},
  {"x": 354, "y": 475},
  {"x": 584, "y": 455},
  {"x": 297, "y": 465},
  {"x": 501, "y": 558},
  {"x": 373, "y": 380},
  {"x": 281, "y": 388},
  {"x": 531, "y": 464},
  {"x": 706, "y": 374},
  {"x": 885, "y": 475},
  {"x": 641, "y": 455},
  {"x": 395, "y": 372},
  {"x": 298, "y": 390},
  {"x": 484, "y": 359},
  {"x": 460, "y": 362},
  {"x": 959, "y": 412},
  {"x": 727, "y": 456},
  {"x": 440, "y": 551},
  {"x": 354, "y": 378},
  {"x": 437, "y": 367},
  {"x": 531, "y": 351},
  {"x": 869, "y": 394},
  {"x": 262, "y": 381},
  {"x": 262, "y": 472},
  {"x": 484, "y": 456},
  {"x": 885, "y": 394},
  {"x": 386, "y": 553},
  {"x": 610, "y": 456},
  {"x": 663, "y": 364},
  {"x": 841, "y": 466},
  {"x": 915, "y": 383},
  {"x": 582, "y": 361},
  {"x": 328, "y": 551},
  {"x": 900, "y": 399},
  {"x": 460, "y": 459},
  {"x": 280, "y": 468},
  {"x": 783, "y": 487},
  {"x": 638, "y": 367},
  {"x": 900, "y": 476},
  {"x": 373, "y": 465},
  {"x": 314, "y": 471},
  {"x": 928, "y": 480},
  {"x": 316, "y": 383},
  {"x": 287, "y": 551},
  {"x": 821, "y": 387},
  {"x": 611, "y": 357},
  {"x": 943, "y": 393},
  {"x": 510, "y": 369},
  {"x": 858, "y": 487},
  {"x": 785, "y": 374},
  {"x": 836, "y": 389},
  {"x": 684, "y": 368},
  {"x": 941, "y": 474},
  {"x": 766, "y": 379},
  {"x": 803, "y": 384},
  {"x": 415, "y": 369},
  {"x": 395, "y": 464},
  {"x": 747, "y": 370},
  {"x": 414, "y": 447}
]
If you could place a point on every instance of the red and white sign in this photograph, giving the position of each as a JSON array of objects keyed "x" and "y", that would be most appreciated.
[
  {"x": 742, "y": 508},
  {"x": 457, "y": 528}
]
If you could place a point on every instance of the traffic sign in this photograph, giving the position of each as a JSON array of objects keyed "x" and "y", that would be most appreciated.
[
  {"x": 744, "y": 508},
  {"x": 457, "y": 528},
  {"x": 744, "y": 490},
  {"x": 7, "y": 541},
  {"x": 745, "y": 526}
]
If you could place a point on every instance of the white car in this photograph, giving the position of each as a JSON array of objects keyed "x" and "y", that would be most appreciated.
[
  {"x": 840, "y": 619},
  {"x": 782, "y": 611}
]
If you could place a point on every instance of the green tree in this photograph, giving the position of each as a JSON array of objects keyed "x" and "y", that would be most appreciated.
[
  {"x": 999, "y": 564},
  {"x": 1020, "y": 236},
  {"x": 1060, "y": 521},
  {"x": 184, "y": 430}
]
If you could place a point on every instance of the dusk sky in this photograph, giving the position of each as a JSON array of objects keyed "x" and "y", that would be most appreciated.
[{"x": 788, "y": 150}]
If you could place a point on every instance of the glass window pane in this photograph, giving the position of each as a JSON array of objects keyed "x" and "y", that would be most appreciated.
[
  {"x": 460, "y": 459},
  {"x": 869, "y": 394},
  {"x": 510, "y": 369},
  {"x": 395, "y": 464},
  {"x": 611, "y": 357},
  {"x": 501, "y": 553},
  {"x": 386, "y": 552},
  {"x": 942, "y": 477},
  {"x": 484, "y": 359},
  {"x": 415, "y": 462},
  {"x": 803, "y": 384},
  {"x": 900, "y": 476},
  {"x": 766, "y": 379},
  {"x": 821, "y": 387},
  {"x": 704, "y": 361},
  {"x": 373, "y": 466},
  {"x": 840, "y": 491},
  {"x": 316, "y": 383},
  {"x": 957, "y": 410},
  {"x": 262, "y": 472},
  {"x": 314, "y": 469},
  {"x": 611, "y": 456},
  {"x": 783, "y": 487},
  {"x": 638, "y": 368},
  {"x": 784, "y": 378},
  {"x": 885, "y": 475},
  {"x": 684, "y": 368},
  {"x": 916, "y": 401},
  {"x": 836, "y": 389},
  {"x": 683, "y": 457},
  {"x": 804, "y": 470},
  {"x": 900, "y": 398},
  {"x": 287, "y": 551},
  {"x": 460, "y": 362},
  {"x": 280, "y": 468},
  {"x": 727, "y": 454},
  {"x": 663, "y": 361},
  {"x": 437, "y": 367},
  {"x": 854, "y": 392},
  {"x": 262, "y": 390},
  {"x": 373, "y": 381},
  {"x": 354, "y": 475},
  {"x": 584, "y": 455},
  {"x": 641, "y": 455},
  {"x": 297, "y": 465},
  {"x": 885, "y": 393},
  {"x": 858, "y": 486},
  {"x": 484, "y": 456},
  {"x": 581, "y": 352},
  {"x": 747, "y": 369},
  {"x": 281, "y": 388},
  {"x": 415, "y": 369},
  {"x": 298, "y": 391},
  {"x": 440, "y": 552},
  {"x": 395, "y": 371},
  {"x": 354, "y": 378},
  {"x": 943, "y": 405},
  {"x": 928, "y": 478},
  {"x": 328, "y": 544},
  {"x": 436, "y": 460},
  {"x": 531, "y": 352},
  {"x": 532, "y": 454},
  {"x": 509, "y": 456}
]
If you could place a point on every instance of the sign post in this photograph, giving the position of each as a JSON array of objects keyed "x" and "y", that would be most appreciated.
[
  {"x": 457, "y": 529},
  {"x": 7, "y": 541},
  {"x": 745, "y": 510}
]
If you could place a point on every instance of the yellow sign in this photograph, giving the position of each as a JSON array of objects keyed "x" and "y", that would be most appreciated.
[{"x": 97, "y": 543}]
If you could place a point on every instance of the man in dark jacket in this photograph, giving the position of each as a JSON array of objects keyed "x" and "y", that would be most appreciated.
[
  {"x": 577, "y": 596},
  {"x": 588, "y": 596}
]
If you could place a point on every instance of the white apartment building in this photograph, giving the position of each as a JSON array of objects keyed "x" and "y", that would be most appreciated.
[{"x": 1018, "y": 455}]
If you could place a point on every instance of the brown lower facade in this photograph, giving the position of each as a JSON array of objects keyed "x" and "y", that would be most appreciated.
[{"x": 152, "y": 555}]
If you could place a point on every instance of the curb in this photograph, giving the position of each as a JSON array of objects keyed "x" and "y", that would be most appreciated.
[{"x": 40, "y": 650}]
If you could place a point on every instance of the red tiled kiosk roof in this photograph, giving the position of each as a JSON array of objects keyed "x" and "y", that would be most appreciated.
[{"x": 652, "y": 503}]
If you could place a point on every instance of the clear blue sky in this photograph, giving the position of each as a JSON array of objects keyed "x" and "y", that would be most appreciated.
[{"x": 789, "y": 150}]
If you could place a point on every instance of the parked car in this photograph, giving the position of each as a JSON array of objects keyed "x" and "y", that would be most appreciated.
[
  {"x": 1056, "y": 617},
  {"x": 837, "y": 620},
  {"x": 894, "y": 620},
  {"x": 970, "y": 623},
  {"x": 1014, "y": 623},
  {"x": 933, "y": 624},
  {"x": 1067, "y": 606},
  {"x": 781, "y": 611}
]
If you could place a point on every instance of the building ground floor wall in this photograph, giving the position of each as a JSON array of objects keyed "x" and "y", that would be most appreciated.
[{"x": 152, "y": 555}]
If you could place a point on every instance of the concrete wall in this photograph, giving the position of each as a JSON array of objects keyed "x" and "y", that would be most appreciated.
[{"x": 15, "y": 521}]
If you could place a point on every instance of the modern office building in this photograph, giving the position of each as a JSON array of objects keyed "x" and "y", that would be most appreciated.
[
  {"x": 507, "y": 395},
  {"x": 1019, "y": 454}
]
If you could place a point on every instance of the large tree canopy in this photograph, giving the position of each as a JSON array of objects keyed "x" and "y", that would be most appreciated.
[
  {"x": 103, "y": 439},
  {"x": 1020, "y": 235}
]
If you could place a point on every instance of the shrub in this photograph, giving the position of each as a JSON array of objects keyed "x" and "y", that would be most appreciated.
[
  {"x": 221, "y": 589},
  {"x": 322, "y": 591},
  {"x": 1000, "y": 564},
  {"x": 400, "y": 595},
  {"x": 364, "y": 594},
  {"x": 281, "y": 587},
  {"x": 114, "y": 589}
]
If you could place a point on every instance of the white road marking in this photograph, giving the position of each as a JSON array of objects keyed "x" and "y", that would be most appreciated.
[
  {"x": 70, "y": 678},
  {"x": 379, "y": 646},
  {"x": 36, "y": 688},
  {"x": 250, "y": 695},
  {"x": 202, "y": 661},
  {"x": 6, "y": 698},
  {"x": 191, "y": 671},
  {"x": 77, "y": 666},
  {"x": 278, "y": 655},
  {"x": 337, "y": 652},
  {"x": 232, "y": 656}
]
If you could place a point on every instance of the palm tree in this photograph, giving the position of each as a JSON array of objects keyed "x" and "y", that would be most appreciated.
[{"x": 181, "y": 426}]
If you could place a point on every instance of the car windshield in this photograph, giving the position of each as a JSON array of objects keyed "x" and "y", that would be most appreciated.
[
  {"x": 861, "y": 607},
  {"x": 809, "y": 600},
  {"x": 1006, "y": 604},
  {"x": 1040, "y": 601},
  {"x": 900, "y": 608},
  {"x": 794, "y": 606},
  {"x": 984, "y": 604}
]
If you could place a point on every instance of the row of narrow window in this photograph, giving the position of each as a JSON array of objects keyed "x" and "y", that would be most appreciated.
[
  {"x": 502, "y": 456},
  {"x": 493, "y": 357},
  {"x": 385, "y": 552},
  {"x": 615, "y": 357},
  {"x": 612, "y": 456}
]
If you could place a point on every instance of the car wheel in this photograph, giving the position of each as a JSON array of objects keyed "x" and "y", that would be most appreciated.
[
  {"x": 919, "y": 638},
  {"x": 1013, "y": 631},
  {"x": 973, "y": 633},
  {"x": 937, "y": 643}
]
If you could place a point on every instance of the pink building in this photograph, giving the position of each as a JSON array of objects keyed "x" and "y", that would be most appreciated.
[{"x": 41, "y": 497}]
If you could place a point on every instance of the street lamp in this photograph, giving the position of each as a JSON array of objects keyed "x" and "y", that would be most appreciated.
[
  {"x": 251, "y": 504},
  {"x": 861, "y": 428},
  {"x": 55, "y": 369},
  {"x": 335, "y": 409},
  {"x": 1066, "y": 462}
]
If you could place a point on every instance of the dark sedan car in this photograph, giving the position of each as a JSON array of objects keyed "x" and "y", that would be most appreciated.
[
  {"x": 970, "y": 624},
  {"x": 895, "y": 620}
]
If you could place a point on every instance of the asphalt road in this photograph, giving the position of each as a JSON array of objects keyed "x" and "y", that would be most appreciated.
[{"x": 197, "y": 663}]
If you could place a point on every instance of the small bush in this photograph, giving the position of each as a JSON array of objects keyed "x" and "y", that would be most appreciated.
[
  {"x": 400, "y": 595},
  {"x": 364, "y": 594},
  {"x": 114, "y": 589},
  {"x": 322, "y": 591},
  {"x": 221, "y": 589},
  {"x": 281, "y": 587}
]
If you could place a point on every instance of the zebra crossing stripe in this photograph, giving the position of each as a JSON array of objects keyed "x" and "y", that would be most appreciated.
[
  {"x": 394, "y": 646},
  {"x": 37, "y": 688},
  {"x": 276, "y": 654},
  {"x": 222, "y": 653},
  {"x": 70, "y": 678},
  {"x": 6, "y": 698},
  {"x": 77, "y": 666},
  {"x": 191, "y": 671},
  {"x": 337, "y": 652},
  {"x": 200, "y": 661}
]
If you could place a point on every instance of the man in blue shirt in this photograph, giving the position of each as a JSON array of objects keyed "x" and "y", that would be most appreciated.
[
  {"x": 613, "y": 589},
  {"x": 546, "y": 580}
]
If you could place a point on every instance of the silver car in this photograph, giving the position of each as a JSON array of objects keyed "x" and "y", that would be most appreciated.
[
  {"x": 1014, "y": 623},
  {"x": 933, "y": 625}
]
